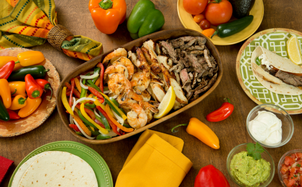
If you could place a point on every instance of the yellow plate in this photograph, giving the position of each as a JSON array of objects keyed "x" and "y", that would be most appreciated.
[{"x": 257, "y": 11}]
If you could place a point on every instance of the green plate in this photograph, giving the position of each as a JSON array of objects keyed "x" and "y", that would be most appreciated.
[
  {"x": 274, "y": 40},
  {"x": 97, "y": 163}
]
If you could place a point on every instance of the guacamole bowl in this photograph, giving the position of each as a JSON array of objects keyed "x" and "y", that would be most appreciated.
[
  {"x": 240, "y": 166},
  {"x": 262, "y": 121}
]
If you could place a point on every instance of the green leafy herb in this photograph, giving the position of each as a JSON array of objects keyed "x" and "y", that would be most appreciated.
[
  {"x": 258, "y": 61},
  {"x": 254, "y": 150},
  {"x": 295, "y": 176},
  {"x": 298, "y": 165}
]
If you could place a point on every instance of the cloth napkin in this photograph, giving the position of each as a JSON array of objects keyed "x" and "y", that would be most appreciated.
[
  {"x": 27, "y": 23},
  {"x": 4, "y": 166},
  {"x": 155, "y": 160}
]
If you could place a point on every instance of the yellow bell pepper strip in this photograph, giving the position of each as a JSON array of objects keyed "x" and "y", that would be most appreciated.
[
  {"x": 82, "y": 125},
  {"x": 82, "y": 109},
  {"x": 29, "y": 58},
  {"x": 18, "y": 102},
  {"x": 17, "y": 87},
  {"x": 114, "y": 107},
  {"x": 65, "y": 102},
  {"x": 6, "y": 59},
  {"x": 78, "y": 85},
  {"x": 108, "y": 111},
  {"x": 5, "y": 93},
  {"x": 30, "y": 107},
  {"x": 202, "y": 132}
]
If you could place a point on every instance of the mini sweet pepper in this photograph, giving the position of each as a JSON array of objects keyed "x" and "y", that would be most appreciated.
[
  {"x": 209, "y": 176},
  {"x": 144, "y": 19},
  {"x": 107, "y": 14}
]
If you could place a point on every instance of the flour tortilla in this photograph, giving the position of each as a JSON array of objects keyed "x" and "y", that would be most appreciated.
[
  {"x": 270, "y": 82},
  {"x": 55, "y": 168}
]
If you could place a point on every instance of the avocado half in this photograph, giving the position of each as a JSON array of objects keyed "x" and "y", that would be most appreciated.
[{"x": 241, "y": 8}]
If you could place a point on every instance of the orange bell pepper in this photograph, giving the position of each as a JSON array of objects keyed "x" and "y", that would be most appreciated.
[
  {"x": 107, "y": 14},
  {"x": 5, "y": 93}
]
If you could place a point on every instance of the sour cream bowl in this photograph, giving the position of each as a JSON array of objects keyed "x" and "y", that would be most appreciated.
[{"x": 269, "y": 125}]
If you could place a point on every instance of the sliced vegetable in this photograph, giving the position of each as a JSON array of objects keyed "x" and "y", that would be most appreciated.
[
  {"x": 65, "y": 102},
  {"x": 80, "y": 100},
  {"x": 29, "y": 58},
  {"x": 30, "y": 107},
  {"x": 12, "y": 115},
  {"x": 113, "y": 126},
  {"x": 83, "y": 86},
  {"x": 113, "y": 106},
  {"x": 101, "y": 78},
  {"x": 85, "y": 121},
  {"x": 44, "y": 84},
  {"x": 18, "y": 102},
  {"x": 7, "y": 69},
  {"x": 18, "y": 87},
  {"x": 32, "y": 88},
  {"x": 102, "y": 137},
  {"x": 78, "y": 85},
  {"x": 209, "y": 176},
  {"x": 101, "y": 118},
  {"x": 37, "y": 71},
  {"x": 71, "y": 91},
  {"x": 222, "y": 113},
  {"x": 5, "y": 93},
  {"x": 96, "y": 93},
  {"x": 85, "y": 131},
  {"x": 75, "y": 92},
  {"x": 74, "y": 127}
]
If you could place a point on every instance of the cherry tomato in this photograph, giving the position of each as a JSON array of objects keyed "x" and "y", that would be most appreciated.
[
  {"x": 205, "y": 24},
  {"x": 198, "y": 18},
  {"x": 195, "y": 7},
  {"x": 219, "y": 12}
]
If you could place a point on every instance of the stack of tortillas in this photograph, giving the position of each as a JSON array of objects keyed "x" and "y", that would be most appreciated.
[{"x": 55, "y": 168}]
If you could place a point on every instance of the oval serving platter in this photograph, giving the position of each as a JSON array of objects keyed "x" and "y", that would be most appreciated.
[
  {"x": 162, "y": 35},
  {"x": 24, "y": 125},
  {"x": 274, "y": 40}
]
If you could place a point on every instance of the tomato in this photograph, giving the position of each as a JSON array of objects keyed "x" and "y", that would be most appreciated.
[
  {"x": 198, "y": 18},
  {"x": 291, "y": 170},
  {"x": 205, "y": 24},
  {"x": 288, "y": 160},
  {"x": 220, "y": 12},
  {"x": 284, "y": 169},
  {"x": 195, "y": 7}
]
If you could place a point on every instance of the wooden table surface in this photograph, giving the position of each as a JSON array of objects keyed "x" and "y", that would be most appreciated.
[{"x": 76, "y": 17}]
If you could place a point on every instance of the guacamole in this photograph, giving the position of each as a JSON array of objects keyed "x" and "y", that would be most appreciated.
[{"x": 248, "y": 171}]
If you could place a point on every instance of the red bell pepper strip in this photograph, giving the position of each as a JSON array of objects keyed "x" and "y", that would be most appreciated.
[
  {"x": 45, "y": 85},
  {"x": 96, "y": 93},
  {"x": 222, "y": 113},
  {"x": 98, "y": 122},
  {"x": 12, "y": 114},
  {"x": 209, "y": 176},
  {"x": 75, "y": 92},
  {"x": 74, "y": 127},
  {"x": 71, "y": 91},
  {"x": 7, "y": 69},
  {"x": 32, "y": 88},
  {"x": 89, "y": 112},
  {"x": 113, "y": 126},
  {"x": 101, "y": 78}
]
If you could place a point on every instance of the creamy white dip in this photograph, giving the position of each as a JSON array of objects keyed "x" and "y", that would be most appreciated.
[
  {"x": 266, "y": 127},
  {"x": 265, "y": 61}
]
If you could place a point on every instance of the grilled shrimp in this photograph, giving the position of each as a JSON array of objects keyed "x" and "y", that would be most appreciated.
[
  {"x": 111, "y": 57},
  {"x": 140, "y": 82},
  {"x": 137, "y": 117},
  {"x": 142, "y": 63},
  {"x": 127, "y": 63},
  {"x": 116, "y": 69},
  {"x": 140, "y": 100},
  {"x": 118, "y": 84}
]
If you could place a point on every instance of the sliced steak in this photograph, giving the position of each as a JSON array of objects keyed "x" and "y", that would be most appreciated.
[
  {"x": 184, "y": 76},
  {"x": 289, "y": 78},
  {"x": 169, "y": 48}
]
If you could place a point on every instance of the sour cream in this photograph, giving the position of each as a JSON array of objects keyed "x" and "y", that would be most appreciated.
[{"x": 266, "y": 128}]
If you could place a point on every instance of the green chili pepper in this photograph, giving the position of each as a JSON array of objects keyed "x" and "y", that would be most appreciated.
[
  {"x": 103, "y": 120},
  {"x": 38, "y": 71},
  {"x": 102, "y": 137},
  {"x": 258, "y": 61}
]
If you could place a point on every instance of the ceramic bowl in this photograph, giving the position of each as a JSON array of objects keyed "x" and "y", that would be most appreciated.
[
  {"x": 162, "y": 35},
  {"x": 287, "y": 123},
  {"x": 265, "y": 155}
]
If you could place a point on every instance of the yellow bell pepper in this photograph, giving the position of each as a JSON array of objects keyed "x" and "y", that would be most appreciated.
[
  {"x": 6, "y": 59},
  {"x": 82, "y": 109},
  {"x": 17, "y": 87},
  {"x": 82, "y": 125},
  {"x": 5, "y": 93},
  {"x": 29, "y": 58},
  {"x": 115, "y": 107},
  {"x": 65, "y": 102},
  {"x": 18, "y": 102},
  {"x": 30, "y": 107},
  {"x": 78, "y": 85}
]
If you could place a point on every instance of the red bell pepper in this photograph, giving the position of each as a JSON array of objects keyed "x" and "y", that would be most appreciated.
[
  {"x": 113, "y": 126},
  {"x": 222, "y": 113},
  {"x": 7, "y": 69},
  {"x": 96, "y": 93},
  {"x": 71, "y": 91},
  {"x": 75, "y": 92},
  {"x": 12, "y": 114},
  {"x": 32, "y": 88},
  {"x": 45, "y": 85},
  {"x": 74, "y": 127},
  {"x": 101, "y": 65},
  {"x": 209, "y": 176}
]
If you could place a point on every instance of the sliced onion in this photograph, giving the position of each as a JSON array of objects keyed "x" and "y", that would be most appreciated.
[
  {"x": 89, "y": 137},
  {"x": 82, "y": 99},
  {"x": 96, "y": 113},
  {"x": 110, "y": 133},
  {"x": 82, "y": 85},
  {"x": 96, "y": 74},
  {"x": 70, "y": 119},
  {"x": 119, "y": 119}
]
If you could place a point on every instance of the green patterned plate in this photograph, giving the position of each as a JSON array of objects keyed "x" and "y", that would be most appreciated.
[
  {"x": 97, "y": 163},
  {"x": 274, "y": 40}
]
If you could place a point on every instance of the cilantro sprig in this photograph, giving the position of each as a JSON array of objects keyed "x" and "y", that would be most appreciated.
[{"x": 254, "y": 150}]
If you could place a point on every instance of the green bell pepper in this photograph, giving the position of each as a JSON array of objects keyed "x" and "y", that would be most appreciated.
[{"x": 144, "y": 19}]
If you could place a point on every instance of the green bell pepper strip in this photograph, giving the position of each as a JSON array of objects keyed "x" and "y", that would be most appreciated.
[
  {"x": 102, "y": 137},
  {"x": 89, "y": 125},
  {"x": 83, "y": 90},
  {"x": 103, "y": 120},
  {"x": 96, "y": 70},
  {"x": 90, "y": 83},
  {"x": 258, "y": 61},
  {"x": 144, "y": 19},
  {"x": 3, "y": 112},
  {"x": 115, "y": 108},
  {"x": 90, "y": 105}
]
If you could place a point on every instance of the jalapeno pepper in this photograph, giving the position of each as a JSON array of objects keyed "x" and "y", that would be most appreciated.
[
  {"x": 37, "y": 71},
  {"x": 222, "y": 113}
]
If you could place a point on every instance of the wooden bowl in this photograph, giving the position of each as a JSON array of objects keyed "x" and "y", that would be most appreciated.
[{"x": 162, "y": 35}]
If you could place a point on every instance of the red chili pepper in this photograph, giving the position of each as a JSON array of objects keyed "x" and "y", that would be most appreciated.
[
  {"x": 32, "y": 88},
  {"x": 12, "y": 114},
  {"x": 96, "y": 93},
  {"x": 44, "y": 84},
  {"x": 113, "y": 126},
  {"x": 209, "y": 176},
  {"x": 222, "y": 113},
  {"x": 101, "y": 65},
  {"x": 7, "y": 69},
  {"x": 75, "y": 92},
  {"x": 74, "y": 127},
  {"x": 71, "y": 91}
]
